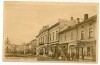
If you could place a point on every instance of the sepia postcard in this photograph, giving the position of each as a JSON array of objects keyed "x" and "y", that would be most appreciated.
[{"x": 50, "y": 32}]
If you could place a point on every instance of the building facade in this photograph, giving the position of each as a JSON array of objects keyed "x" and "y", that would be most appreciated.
[
  {"x": 54, "y": 37},
  {"x": 87, "y": 39},
  {"x": 43, "y": 39},
  {"x": 32, "y": 46},
  {"x": 68, "y": 36},
  {"x": 72, "y": 38},
  {"x": 79, "y": 38}
]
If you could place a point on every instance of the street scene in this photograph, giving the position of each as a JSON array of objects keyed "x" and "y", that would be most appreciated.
[{"x": 69, "y": 39}]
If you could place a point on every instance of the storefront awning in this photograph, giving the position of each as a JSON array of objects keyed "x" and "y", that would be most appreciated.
[{"x": 84, "y": 43}]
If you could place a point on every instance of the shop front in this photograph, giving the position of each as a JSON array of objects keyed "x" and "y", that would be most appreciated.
[
  {"x": 41, "y": 50},
  {"x": 63, "y": 50},
  {"x": 86, "y": 49},
  {"x": 73, "y": 50}
]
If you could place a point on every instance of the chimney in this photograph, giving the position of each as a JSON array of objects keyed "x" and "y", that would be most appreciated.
[
  {"x": 85, "y": 16},
  {"x": 71, "y": 18},
  {"x": 78, "y": 20}
]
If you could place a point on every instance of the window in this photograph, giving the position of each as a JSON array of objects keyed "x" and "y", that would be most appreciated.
[
  {"x": 72, "y": 35},
  {"x": 46, "y": 38},
  {"x": 61, "y": 38},
  {"x": 82, "y": 35},
  {"x": 56, "y": 35},
  {"x": 50, "y": 37},
  {"x": 82, "y": 26},
  {"x": 43, "y": 39},
  {"x": 65, "y": 36},
  {"x": 39, "y": 40},
  {"x": 53, "y": 35},
  {"x": 88, "y": 51},
  {"x": 90, "y": 32}
]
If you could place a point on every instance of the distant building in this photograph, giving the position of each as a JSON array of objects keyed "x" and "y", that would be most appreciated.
[
  {"x": 7, "y": 46},
  {"x": 33, "y": 46}
]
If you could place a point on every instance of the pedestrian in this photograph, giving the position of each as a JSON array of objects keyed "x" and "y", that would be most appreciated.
[
  {"x": 77, "y": 56},
  {"x": 93, "y": 56},
  {"x": 62, "y": 55},
  {"x": 83, "y": 55},
  {"x": 50, "y": 53},
  {"x": 59, "y": 53},
  {"x": 72, "y": 55},
  {"x": 68, "y": 56}
]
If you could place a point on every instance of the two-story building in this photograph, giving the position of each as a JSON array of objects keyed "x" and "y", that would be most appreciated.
[
  {"x": 79, "y": 37},
  {"x": 43, "y": 39},
  {"x": 54, "y": 37},
  {"x": 68, "y": 35},
  {"x": 87, "y": 37}
]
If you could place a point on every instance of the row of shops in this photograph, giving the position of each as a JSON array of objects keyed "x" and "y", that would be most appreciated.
[
  {"x": 80, "y": 44},
  {"x": 81, "y": 50}
]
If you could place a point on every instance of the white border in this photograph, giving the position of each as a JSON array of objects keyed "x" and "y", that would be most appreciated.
[{"x": 27, "y": 63}]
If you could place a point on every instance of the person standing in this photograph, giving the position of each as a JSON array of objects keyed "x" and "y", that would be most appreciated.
[
  {"x": 72, "y": 55},
  {"x": 77, "y": 56},
  {"x": 93, "y": 56},
  {"x": 83, "y": 55},
  {"x": 68, "y": 56}
]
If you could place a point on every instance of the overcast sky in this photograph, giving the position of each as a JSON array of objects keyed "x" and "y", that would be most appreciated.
[{"x": 23, "y": 20}]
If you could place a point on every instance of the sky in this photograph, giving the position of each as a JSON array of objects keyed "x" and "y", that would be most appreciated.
[{"x": 24, "y": 20}]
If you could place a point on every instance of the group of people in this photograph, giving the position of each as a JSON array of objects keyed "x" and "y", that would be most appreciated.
[{"x": 63, "y": 55}]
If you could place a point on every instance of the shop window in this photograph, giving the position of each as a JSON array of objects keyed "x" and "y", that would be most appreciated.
[{"x": 88, "y": 51}]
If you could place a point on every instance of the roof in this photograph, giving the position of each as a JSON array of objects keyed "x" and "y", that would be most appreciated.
[
  {"x": 70, "y": 27},
  {"x": 54, "y": 25},
  {"x": 88, "y": 20}
]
